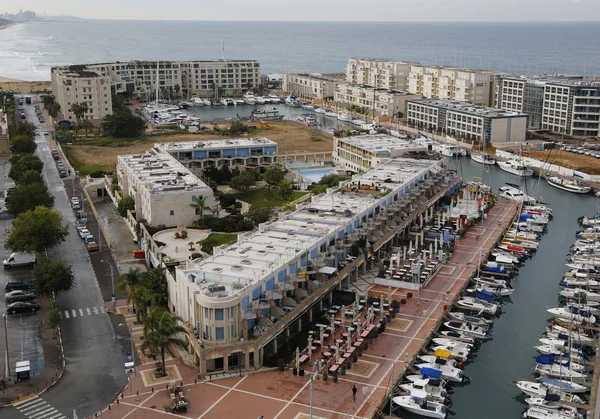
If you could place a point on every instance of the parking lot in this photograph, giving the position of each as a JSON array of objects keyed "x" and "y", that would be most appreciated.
[{"x": 24, "y": 339}]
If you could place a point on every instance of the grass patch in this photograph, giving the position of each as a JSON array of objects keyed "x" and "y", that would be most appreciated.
[
  {"x": 259, "y": 198},
  {"x": 223, "y": 238},
  {"x": 84, "y": 169},
  {"x": 589, "y": 170},
  {"x": 112, "y": 142}
]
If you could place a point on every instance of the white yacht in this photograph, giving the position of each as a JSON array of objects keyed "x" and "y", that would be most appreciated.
[
  {"x": 436, "y": 393},
  {"x": 417, "y": 403},
  {"x": 260, "y": 100},
  {"x": 274, "y": 98},
  {"x": 206, "y": 102},
  {"x": 449, "y": 373},
  {"x": 227, "y": 102},
  {"x": 196, "y": 101},
  {"x": 574, "y": 314},
  {"x": 330, "y": 114},
  {"x": 308, "y": 106},
  {"x": 357, "y": 122},
  {"x": 319, "y": 110},
  {"x": 344, "y": 117},
  {"x": 238, "y": 102},
  {"x": 568, "y": 185},
  {"x": 515, "y": 167},
  {"x": 249, "y": 98},
  {"x": 536, "y": 389},
  {"x": 483, "y": 158},
  {"x": 292, "y": 101},
  {"x": 515, "y": 194}
]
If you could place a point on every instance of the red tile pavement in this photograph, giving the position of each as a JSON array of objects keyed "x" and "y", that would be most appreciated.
[{"x": 275, "y": 394}]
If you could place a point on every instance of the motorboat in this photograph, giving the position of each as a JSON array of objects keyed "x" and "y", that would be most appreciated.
[
  {"x": 357, "y": 122},
  {"x": 495, "y": 291},
  {"x": 475, "y": 304},
  {"x": 227, "y": 102},
  {"x": 216, "y": 103},
  {"x": 476, "y": 332},
  {"x": 274, "y": 98},
  {"x": 418, "y": 404},
  {"x": 449, "y": 373},
  {"x": 554, "y": 385},
  {"x": 265, "y": 115},
  {"x": 515, "y": 194},
  {"x": 344, "y": 117},
  {"x": 491, "y": 282},
  {"x": 568, "y": 185},
  {"x": 553, "y": 350},
  {"x": 267, "y": 99},
  {"x": 292, "y": 101},
  {"x": 475, "y": 320},
  {"x": 460, "y": 336},
  {"x": 515, "y": 167},
  {"x": 483, "y": 158},
  {"x": 551, "y": 401},
  {"x": 539, "y": 389},
  {"x": 238, "y": 102},
  {"x": 536, "y": 412},
  {"x": 576, "y": 337},
  {"x": 319, "y": 110},
  {"x": 460, "y": 353},
  {"x": 206, "y": 102},
  {"x": 452, "y": 343},
  {"x": 559, "y": 371},
  {"x": 308, "y": 106},
  {"x": 330, "y": 114},
  {"x": 249, "y": 98},
  {"x": 196, "y": 101},
  {"x": 435, "y": 392},
  {"x": 260, "y": 100},
  {"x": 307, "y": 119},
  {"x": 432, "y": 359},
  {"x": 579, "y": 293},
  {"x": 573, "y": 314}
]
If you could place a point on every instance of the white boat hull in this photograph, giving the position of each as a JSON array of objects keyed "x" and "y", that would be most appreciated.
[
  {"x": 406, "y": 402},
  {"x": 559, "y": 183},
  {"x": 509, "y": 168}
]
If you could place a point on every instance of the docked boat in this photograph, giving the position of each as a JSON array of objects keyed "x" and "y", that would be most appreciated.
[
  {"x": 206, "y": 102},
  {"x": 453, "y": 352},
  {"x": 319, "y": 110},
  {"x": 307, "y": 119},
  {"x": 483, "y": 158},
  {"x": 249, "y": 98},
  {"x": 448, "y": 372},
  {"x": 435, "y": 392},
  {"x": 432, "y": 359},
  {"x": 308, "y": 106},
  {"x": 559, "y": 371},
  {"x": 292, "y": 101},
  {"x": 475, "y": 320},
  {"x": 540, "y": 389},
  {"x": 568, "y": 185},
  {"x": 417, "y": 403},
  {"x": 260, "y": 100},
  {"x": 238, "y": 102},
  {"x": 552, "y": 401},
  {"x": 196, "y": 101},
  {"x": 452, "y": 343},
  {"x": 227, "y": 101},
  {"x": 564, "y": 352},
  {"x": 330, "y": 114},
  {"x": 577, "y": 293},
  {"x": 265, "y": 115},
  {"x": 515, "y": 167},
  {"x": 495, "y": 291},
  {"x": 515, "y": 194},
  {"x": 574, "y": 314},
  {"x": 344, "y": 117},
  {"x": 570, "y": 387},
  {"x": 460, "y": 336},
  {"x": 536, "y": 412},
  {"x": 357, "y": 122},
  {"x": 476, "y": 332},
  {"x": 475, "y": 304},
  {"x": 274, "y": 98}
]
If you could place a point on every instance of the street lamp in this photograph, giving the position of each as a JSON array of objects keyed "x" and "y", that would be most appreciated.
[
  {"x": 112, "y": 280},
  {"x": 316, "y": 366},
  {"x": 132, "y": 355}
]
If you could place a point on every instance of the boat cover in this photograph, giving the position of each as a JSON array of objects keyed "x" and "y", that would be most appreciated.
[
  {"x": 442, "y": 353},
  {"x": 497, "y": 269},
  {"x": 455, "y": 324},
  {"x": 525, "y": 217},
  {"x": 552, "y": 397},
  {"x": 488, "y": 294},
  {"x": 481, "y": 296},
  {"x": 430, "y": 372},
  {"x": 565, "y": 385},
  {"x": 545, "y": 359}
]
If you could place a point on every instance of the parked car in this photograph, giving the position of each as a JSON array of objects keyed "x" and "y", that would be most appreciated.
[
  {"x": 22, "y": 307},
  {"x": 18, "y": 295},
  {"x": 17, "y": 285},
  {"x": 62, "y": 173},
  {"x": 59, "y": 163},
  {"x": 92, "y": 246},
  {"x": 89, "y": 239},
  {"x": 84, "y": 232},
  {"x": 19, "y": 259}
]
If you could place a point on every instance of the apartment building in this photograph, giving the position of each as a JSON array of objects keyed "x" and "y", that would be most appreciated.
[
  {"x": 312, "y": 86},
  {"x": 478, "y": 124},
  {"x": 460, "y": 84},
  {"x": 176, "y": 78},
  {"x": 380, "y": 73},
  {"x": 235, "y": 152},
  {"x": 572, "y": 107},
  {"x": 77, "y": 84},
  {"x": 363, "y": 152},
  {"x": 163, "y": 189},
  {"x": 384, "y": 102},
  {"x": 242, "y": 301}
]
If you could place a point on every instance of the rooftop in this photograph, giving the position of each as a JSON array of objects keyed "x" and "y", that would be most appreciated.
[
  {"x": 77, "y": 71},
  {"x": 371, "y": 89},
  {"x": 214, "y": 144},
  {"x": 385, "y": 144},
  {"x": 467, "y": 108},
  {"x": 260, "y": 254},
  {"x": 161, "y": 173},
  {"x": 321, "y": 76}
]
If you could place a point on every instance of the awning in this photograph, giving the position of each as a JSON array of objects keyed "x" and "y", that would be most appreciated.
[{"x": 327, "y": 270}]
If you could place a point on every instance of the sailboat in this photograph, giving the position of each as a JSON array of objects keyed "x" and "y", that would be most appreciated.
[
  {"x": 567, "y": 184},
  {"x": 483, "y": 157},
  {"x": 516, "y": 167}
]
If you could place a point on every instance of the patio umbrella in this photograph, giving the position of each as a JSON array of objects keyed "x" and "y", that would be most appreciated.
[
  {"x": 321, "y": 336},
  {"x": 297, "y": 358},
  {"x": 310, "y": 347},
  {"x": 337, "y": 351}
]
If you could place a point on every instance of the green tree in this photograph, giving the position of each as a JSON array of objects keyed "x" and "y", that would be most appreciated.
[
  {"x": 259, "y": 215},
  {"x": 200, "y": 205},
  {"x": 165, "y": 336},
  {"x": 52, "y": 319},
  {"x": 238, "y": 128},
  {"x": 79, "y": 110},
  {"x": 285, "y": 190},
  {"x": 152, "y": 319},
  {"x": 87, "y": 125},
  {"x": 26, "y": 128},
  {"x": 129, "y": 281},
  {"x": 319, "y": 189},
  {"x": 22, "y": 144},
  {"x": 24, "y": 163},
  {"x": 208, "y": 245},
  {"x": 154, "y": 280},
  {"x": 142, "y": 298},
  {"x": 331, "y": 180},
  {"x": 127, "y": 203},
  {"x": 244, "y": 181},
  {"x": 29, "y": 177},
  {"x": 36, "y": 231},
  {"x": 53, "y": 110},
  {"x": 273, "y": 176},
  {"x": 123, "y": 125},
  {"x": 51, "y": 278},
  {"x": 28, "y": 197}
]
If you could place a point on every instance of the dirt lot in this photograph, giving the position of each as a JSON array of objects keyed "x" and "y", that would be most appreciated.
[
  {"x": 289, "y": 136},
  {"x": 7, "y": 84},
  {"x": 587, "y": 164}
]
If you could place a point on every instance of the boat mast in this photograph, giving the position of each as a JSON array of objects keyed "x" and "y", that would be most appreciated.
[{"x": 157, "y": 82}]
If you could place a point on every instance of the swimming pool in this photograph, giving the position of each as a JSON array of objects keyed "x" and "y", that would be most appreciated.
[
  {"x": 300, "y": 165},
  {"x": 315, "y": 175}
]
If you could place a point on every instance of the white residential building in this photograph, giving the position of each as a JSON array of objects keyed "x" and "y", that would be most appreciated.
[
  {"x": 311, "y": 86},
  {"x": 384, "y": 74},
  {"x": 385, "y": 102},
  {"x": 78, "y": 85},
  {"x": 235, "y": 152},
  {"x": 363, "y": 152},
  {"x": 469, "y": 122},
  {"x": 460, "y": 84},
  {"x": 241, "y": 299},
  {"x": 163, "y": 189},
  {"x": 572, "y": 107}
]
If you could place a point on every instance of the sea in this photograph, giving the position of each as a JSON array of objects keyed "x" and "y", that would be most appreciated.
[{"x": 28, "y": 50}]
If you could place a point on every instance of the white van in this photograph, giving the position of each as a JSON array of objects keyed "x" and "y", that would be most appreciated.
[{"x": 19, "y": 259}]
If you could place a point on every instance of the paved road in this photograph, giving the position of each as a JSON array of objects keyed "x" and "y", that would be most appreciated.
[{"x": 95, "y": 372}]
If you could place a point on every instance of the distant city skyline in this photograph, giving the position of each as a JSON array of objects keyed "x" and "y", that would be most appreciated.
[{"x": 323, "y": 10}]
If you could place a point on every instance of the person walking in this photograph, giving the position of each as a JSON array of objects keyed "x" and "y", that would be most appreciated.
[{"x": 354, "y": 390}]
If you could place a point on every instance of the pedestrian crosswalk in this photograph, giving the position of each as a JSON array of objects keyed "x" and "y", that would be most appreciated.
[
  {"x": 37, "y": 408},
  {"x": 80, "y": 312}
]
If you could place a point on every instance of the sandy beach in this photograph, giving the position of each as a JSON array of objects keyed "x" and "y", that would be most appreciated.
[{"x": 7, "y": 83}]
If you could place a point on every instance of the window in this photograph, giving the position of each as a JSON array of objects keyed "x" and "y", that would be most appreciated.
[
  {"x": 220, "y": 333},
  {"x": 231, "y": 312},
  {"x": 171, "y": 212},
  {"x": 219, "y": 314},
  {"x": 193, "y": 198},
  {"x": 206, "y": 313}
]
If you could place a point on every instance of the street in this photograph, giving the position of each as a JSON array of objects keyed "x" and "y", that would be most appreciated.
[{"x": 94, "y": 356}]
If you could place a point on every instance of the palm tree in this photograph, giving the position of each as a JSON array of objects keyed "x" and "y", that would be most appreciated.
[
  {"x": 86, "y": 124},
  {"x": 143, "y": 298},
  {"x": 200, "y": 205},
  {"x": 128, "y": 282},
  {"x": 152, "y": 319},
  {"x": 79, "y": 109},
  {"x": 164, "y": 336}
]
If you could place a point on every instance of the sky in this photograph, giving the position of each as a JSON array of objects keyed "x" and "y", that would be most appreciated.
[{"x": 318, "y": 10}]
